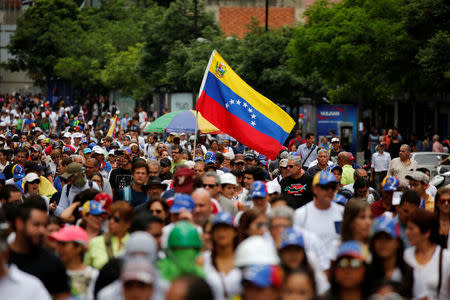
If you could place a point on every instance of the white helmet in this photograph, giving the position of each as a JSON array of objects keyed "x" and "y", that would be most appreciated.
[{"x": 255, "y": 250}]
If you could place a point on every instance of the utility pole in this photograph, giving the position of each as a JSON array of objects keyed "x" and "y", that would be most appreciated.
[{"x": 267, "y": 15}]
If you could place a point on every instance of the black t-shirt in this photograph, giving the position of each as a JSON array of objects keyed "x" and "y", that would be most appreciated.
[
  {"x": 297, "y": 192},
  {"x": 45, "y": 266},
  {"x": 120, "y": 178},
  {"x": 7, "y": 171}
]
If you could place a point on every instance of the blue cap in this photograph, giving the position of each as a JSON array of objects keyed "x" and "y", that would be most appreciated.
[
  {"x": 258, "y": 189},
  {"x": 92, "y": 207},
  {"x": 87, "y": 150},
  {"x": 210, "y": 157},
  {"x": 291, "y": 237},
  {"x": 264, "y": 276},
  {"x": 127, "y": 149},
  {"x": 390, "y": 183},
  {"x": 340, "y": 199},
  {"x": 2, "y": 176},
  {"x": 18, "y": 171},
  {"x": 323, "y": 178},
  {"x": 223, "y": 217},
  {"x": 182, "y": 201},
  {"x": 294, "y": 154},
  {"x": 352, "y": 249},
  {"x": 92, "y": 145},
  {"x": 84, "y": 141},
  {"x": 198, "y": 158},
  {"x": 387, "y": 225},
  {"x": 152, "y": 157},
  {"x": 262, "y": 159}
]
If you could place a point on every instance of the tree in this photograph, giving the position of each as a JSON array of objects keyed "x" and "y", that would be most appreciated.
[
  {"x": 359, "y": 47},
  {"x": 44, "y": 34}
]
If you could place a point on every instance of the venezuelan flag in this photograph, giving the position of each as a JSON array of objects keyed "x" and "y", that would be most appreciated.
[{"x": 234, "y": 107}]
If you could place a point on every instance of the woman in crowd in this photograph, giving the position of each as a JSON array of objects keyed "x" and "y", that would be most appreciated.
[
  {"x": 93, "y": 216},
  {"x": 104, "y": 247},
  {"x": 347, "y": 274},
  {"x": 31, "y": 187},
  {"x": 159, "y": 208},
  {"x": 218, "y": 263},
  {"x": 388, "y": 264},
  {"x": 98, "y": 179},
  {"x": 299, "y": 284},
  {"x": 72, "y": 244},
  {"x": 252, "y": 222},
  {"x": 442, "y": 209},
  {"x": 159, "y": 149},
  {"x": 428, "y": 258}
]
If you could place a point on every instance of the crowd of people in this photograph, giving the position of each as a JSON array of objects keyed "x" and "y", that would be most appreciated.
[{"x": 135, "y": 215}]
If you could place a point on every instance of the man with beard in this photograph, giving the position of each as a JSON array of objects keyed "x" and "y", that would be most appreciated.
[{"x": 26, "y": 251}]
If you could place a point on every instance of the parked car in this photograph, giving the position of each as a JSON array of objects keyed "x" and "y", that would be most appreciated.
[{"x": 431, "y": 160}]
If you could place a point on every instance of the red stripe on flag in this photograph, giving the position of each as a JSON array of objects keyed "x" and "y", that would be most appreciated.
[{"x": 237, "y": 128}]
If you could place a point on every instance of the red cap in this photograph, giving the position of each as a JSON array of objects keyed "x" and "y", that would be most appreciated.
[
  {"x": 104, "y": 199},
  {"x": 71, "y": 234},
  {"x": 183, "y": 180}
]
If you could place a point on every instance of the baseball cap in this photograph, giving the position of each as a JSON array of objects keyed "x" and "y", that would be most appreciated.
[
  {"x": 264, "y": 276},
  {"x": 73, "y": 168},
  {"x": 32, "y": 177},
  {"x": 143, "y": 244},
  {"x": 36, "y": 148},
  {"x": 340, "y": 199},
  {"x": 84, "y": 141},
  {"x": 87, "y": 150},
  {"x": 262, "y": 159},
  {"x": 165, "y": 162},
  {"x": 92, "y": 207},
  {"x": 238, "y": 158},
  {"x": 223, "y": 217},
  {"x": 183, "y": 180},
  {"x": 390, "y": 183},
  {"x": 284, "y": 163},
  {"x": 41, "y": 137},
  {"x": 155, "y": 180},
  {"x": 228, "y": 178},
  {"x": 258, "y": 189},
  {"x": 104, "y": 199},
  {"x": 352, "y": 249},
  {"x": 291, "y": 237},
  {"x": 387, "y": 225},
  {"x": 418, "y": 176},
  {"x": 18, "y": 171},
  {"x": 71, "y": 234},
  {"x": 2, "y": 176},
  {"x": 139, "y": 269},
  {"x": 273, "y": 187},
  {"x": 98, "y": 150},
  {"x": 250, "y": 156},
  {"x": 210, "y": 157},
  {"x": 77, "y": 135},
  {"x": 335, "y": 140},
  {"x": 182, "y": 201},
  {"x": 67, "y": 135},
  {"x": 324, "y": 178}
]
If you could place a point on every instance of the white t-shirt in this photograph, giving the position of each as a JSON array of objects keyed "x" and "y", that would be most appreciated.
[
  {"x": 430, "y": 272},
  {"x": 325, "y": 223},
  {"x": 419, "y": 291},
  {"x": 431, "y": 190},
  {"x": 218, "y": 281}
]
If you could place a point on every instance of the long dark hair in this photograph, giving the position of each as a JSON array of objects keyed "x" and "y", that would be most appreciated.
[
  {"x": 351, "y": 212},
  {"x": 246, "y": 219},
  {"x": 377, "y": 273},
  {"x": 214, "y": 246},
  {"x": 335, "y": 289},
  {"x": 308, "y": 271}
]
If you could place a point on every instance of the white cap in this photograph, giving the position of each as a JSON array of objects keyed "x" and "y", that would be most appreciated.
[
  {"x": 41, "y": 137},
  {"x": 38, "y": 129},
  {"x": 335, "y": 140},
  {"x": 2, "y": 124},
  {"x": 273, "y": 187},
  {"x": 190, "y": 164},
  {"x": 117, "y": 112},
  {"x": 67, "y": 135},
  {"x": 255, "y": 250},
  {"x": 77, "y": 135},
  {"x": 98, "y": 150},
  {"x": 228, "y": 178},
  {"x": 229, "y": 155},
  {"x": 31, "y": 177},
  {"x": 2, "y": 136}
]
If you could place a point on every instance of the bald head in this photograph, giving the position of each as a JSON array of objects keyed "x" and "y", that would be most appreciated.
[
  {"x": 203, "y": 206},
  {"x": 344, "y": 158}
]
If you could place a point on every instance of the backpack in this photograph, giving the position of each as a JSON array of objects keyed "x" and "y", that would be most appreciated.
[{"x": 90, "y": 183}]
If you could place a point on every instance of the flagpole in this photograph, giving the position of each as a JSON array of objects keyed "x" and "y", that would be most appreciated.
[{"x": 205, "y": 75}]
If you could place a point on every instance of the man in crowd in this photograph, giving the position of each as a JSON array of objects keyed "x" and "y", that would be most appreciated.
[
  {"x": 296, "y": 187},
  {"x": 135, "y": 193},
  {"x": 307, "y": 151},
  {"x": 402, "y": 166},
  {"x": 380, "y": 166}
]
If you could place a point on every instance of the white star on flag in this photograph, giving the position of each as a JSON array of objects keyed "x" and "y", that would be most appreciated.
[
  {"x": 226, "y": 105},
  {"x": 250, "y": 110},
  {"x": 253, "y": 116},
  {"x": 231, "y": 101},
  {"x": 244, "y": 105},
  {"x": 238, "y": 102},
  {"x": 253, "y": 123}
]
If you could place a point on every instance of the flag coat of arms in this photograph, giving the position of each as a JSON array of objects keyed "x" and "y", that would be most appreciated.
[{"x": 235, "y": 108}]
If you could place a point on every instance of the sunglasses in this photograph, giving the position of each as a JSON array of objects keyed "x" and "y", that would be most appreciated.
[
  {"x": 352, "y": 263},
  {"x": 211, "y": 186},
  {"x": 240, "y": 163},
  {"x": 156, "y": 211},
  {"x": 290, "y": 166},
  {"x": 37, "y": 181},
  {"x": 330, "y": 186},
  {"x": 444, "y": 201},
  {"x": 116, "y": 219}
]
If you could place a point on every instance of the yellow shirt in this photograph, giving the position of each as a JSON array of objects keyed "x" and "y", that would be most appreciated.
[
  {"x": 429, "y": 203},
  {"x": 97, "y": 256},
  {"x": 46, "y": 188},
  {"x": 347, "y": 175}
]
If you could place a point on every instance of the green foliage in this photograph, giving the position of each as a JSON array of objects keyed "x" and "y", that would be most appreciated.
[{"x": 44, "y": 35}]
